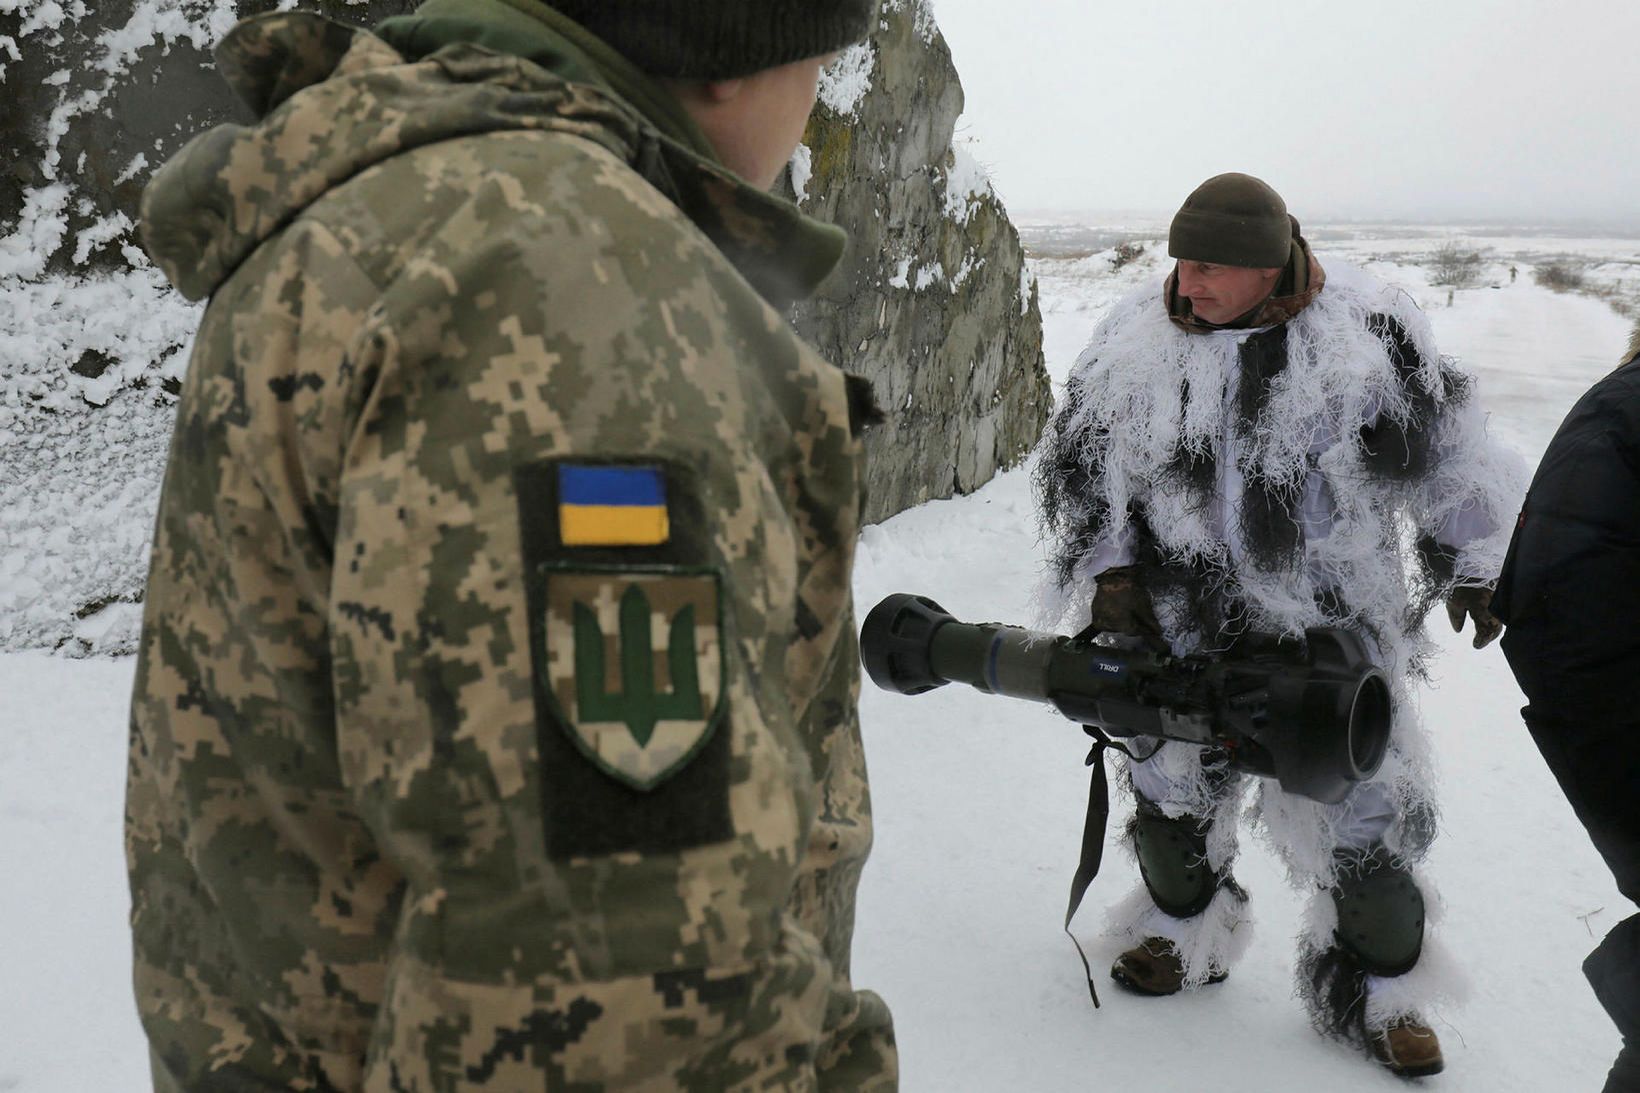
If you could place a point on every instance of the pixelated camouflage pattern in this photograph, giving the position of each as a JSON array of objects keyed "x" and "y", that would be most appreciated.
[{"x": 423, "y": 276}]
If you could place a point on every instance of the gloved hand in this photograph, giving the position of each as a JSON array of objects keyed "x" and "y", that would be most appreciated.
[
  {"x": 1121, "y": 605},
  {"x": 1474, "y": 601}
]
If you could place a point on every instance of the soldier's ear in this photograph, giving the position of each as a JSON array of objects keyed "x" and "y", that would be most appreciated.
[
  {"x": 696, "y": 94},
  {"x": 720, "y": 91}
]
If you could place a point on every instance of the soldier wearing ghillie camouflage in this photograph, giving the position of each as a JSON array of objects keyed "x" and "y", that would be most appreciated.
[{"x": 494, "y": 723}]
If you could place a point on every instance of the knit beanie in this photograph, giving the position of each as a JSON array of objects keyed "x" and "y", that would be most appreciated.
[
  {"x": 721, "y": 39},
  {"x": 1233, "y": 220}
]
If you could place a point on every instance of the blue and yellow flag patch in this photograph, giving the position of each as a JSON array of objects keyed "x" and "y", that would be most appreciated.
[{"x": 602, "y": 506}]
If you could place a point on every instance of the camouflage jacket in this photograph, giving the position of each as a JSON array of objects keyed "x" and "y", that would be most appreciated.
[{"x": 494, "y": 723}]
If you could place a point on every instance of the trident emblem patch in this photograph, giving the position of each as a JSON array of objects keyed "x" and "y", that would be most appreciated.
[{"x": 634, "y": 665}]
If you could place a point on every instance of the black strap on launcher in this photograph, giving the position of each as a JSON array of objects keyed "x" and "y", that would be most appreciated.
[{"x": 1093, "y": 838}]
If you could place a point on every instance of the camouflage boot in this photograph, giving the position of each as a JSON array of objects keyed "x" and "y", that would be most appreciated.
[
  {"x": 1409, "y": 1048},
  {"x": 1153, "y": 967}
]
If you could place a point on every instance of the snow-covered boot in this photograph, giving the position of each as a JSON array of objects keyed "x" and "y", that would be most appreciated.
[
  {"x": 1408, "y": 1047},
  {"x": 1335, "y": 989},
  {"x": 1153, "y": 967}
]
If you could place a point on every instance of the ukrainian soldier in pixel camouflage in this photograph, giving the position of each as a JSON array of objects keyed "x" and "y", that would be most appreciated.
[{"x": 494, "y": 724}]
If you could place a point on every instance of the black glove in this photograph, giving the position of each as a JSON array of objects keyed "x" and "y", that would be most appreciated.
[
  {"x": 1121, "y": 605},
  {"x": 1474, "y": 601}
]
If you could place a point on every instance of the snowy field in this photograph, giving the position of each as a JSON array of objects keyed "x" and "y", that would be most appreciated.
[{"x": 979, "y": 808}]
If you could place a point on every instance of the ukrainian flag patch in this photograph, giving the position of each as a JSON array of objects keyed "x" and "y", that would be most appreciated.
[{"x": 605, "y": 505}]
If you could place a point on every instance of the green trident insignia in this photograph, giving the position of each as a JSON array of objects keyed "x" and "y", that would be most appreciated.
[{"x": 638, "y": 703}]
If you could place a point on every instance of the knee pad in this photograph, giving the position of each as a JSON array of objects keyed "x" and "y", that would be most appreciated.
[
  {"x": 1380, "y": 913},
  {"x": 1173, "y": 862}
]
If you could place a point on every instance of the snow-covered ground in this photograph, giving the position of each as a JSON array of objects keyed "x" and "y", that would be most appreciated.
[{"x": 979, "y": 809}]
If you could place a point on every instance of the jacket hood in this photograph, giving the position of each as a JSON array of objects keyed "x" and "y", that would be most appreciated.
[
  {"x": 331, "y": 101},
  {"x": 1634, "y": 345}
]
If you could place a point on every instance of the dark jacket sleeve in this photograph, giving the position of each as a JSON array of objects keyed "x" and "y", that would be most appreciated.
[
  {"x": 1570, "y": 595},
  {"x": 1571, "y": 583}
]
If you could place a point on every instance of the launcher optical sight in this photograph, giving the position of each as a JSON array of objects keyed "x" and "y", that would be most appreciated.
[{"x": 1315, "y": 716}]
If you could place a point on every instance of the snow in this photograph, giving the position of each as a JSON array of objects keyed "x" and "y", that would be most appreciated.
[
  {"x": 928, "y": 275},
  {"x": 970, "y": 262},
  {"x": 966, "y": 184},
  {"x": 84, "y": 419},
  {"x": 922, "y": 16},
  {"x": 39, "y": 231},
  {"x": 844, "y": 82},
  {"x": 81, "y": 455},
  {"x": 84, "y": 360},
  {"x": 70, "y": 1025},
  {"x": 45, "y": 16},
  {"x": 106, "y": 230},
  {"x": 802, "y": 169},
  {"x": 201, "y": 24},
  {"x": 979, "y": 805},
  {"x": 138, "y": 164}
]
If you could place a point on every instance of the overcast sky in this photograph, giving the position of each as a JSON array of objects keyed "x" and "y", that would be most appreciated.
[{"x": 1431, "y": 109}]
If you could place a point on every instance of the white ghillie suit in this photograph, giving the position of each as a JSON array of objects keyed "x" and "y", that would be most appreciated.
[{"x": 1332, "y": 469}]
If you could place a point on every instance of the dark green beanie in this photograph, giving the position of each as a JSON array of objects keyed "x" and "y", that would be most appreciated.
[
  {"x": 721, "y": 39},
  {"x": 1232, "y": 220}
]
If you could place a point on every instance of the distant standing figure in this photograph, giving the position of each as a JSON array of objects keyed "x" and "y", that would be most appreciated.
[
  {"x": 1236, "y": 451},
  {"x": 1512, "y": 272},
  {"x": 1570, "y": 592}
]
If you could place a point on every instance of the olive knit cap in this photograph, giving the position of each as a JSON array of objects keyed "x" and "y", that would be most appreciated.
[
  {"x": 1232, "y": 220},
  {"x": 721, "y": 39}
]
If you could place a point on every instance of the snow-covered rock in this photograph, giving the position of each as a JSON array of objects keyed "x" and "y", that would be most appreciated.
[{"x": 932, "y": 303}]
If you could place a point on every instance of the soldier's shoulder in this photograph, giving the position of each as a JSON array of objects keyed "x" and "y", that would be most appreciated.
[
  {"x": 1355, "y": 295},
  {"x": 565, "y": 206},
  {"x": 575, "y": 179},
  {"x": 1615, "y": 401},
  {"x": 1350, "y": 290}
]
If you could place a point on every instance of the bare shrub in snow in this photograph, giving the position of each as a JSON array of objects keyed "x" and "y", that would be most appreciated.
[
  {"x": 1455, "y": 265},
  {"x": 1559, "y": 276}
]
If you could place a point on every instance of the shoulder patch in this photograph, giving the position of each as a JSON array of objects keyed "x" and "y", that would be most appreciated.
[
  {"x": 633, "y": 665},
  {"x": 623, "y": 505},
  {"x": 628, "y": 651}
]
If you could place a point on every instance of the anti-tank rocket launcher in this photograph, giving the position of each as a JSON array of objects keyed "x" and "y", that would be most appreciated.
[{"x": 1314, "y": 715}]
